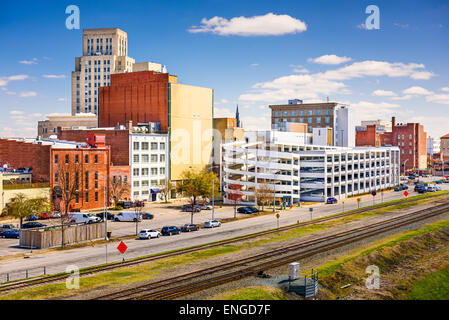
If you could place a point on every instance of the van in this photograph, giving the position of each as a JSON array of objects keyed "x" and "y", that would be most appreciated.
[
  {"x": 128, "y": 216},
  {"x": 85, "y": 218}
]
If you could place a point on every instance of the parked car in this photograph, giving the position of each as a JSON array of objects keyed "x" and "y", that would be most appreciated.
[
  {"x": 401, "y": 187},
  {"x": 437, "y": 188},
  {"x": 212, "y": 224},
  {"x": 55, "y": 215},
  {"x": 244, "y": 210},
  {"x": 109, "y": 215},
  {"x": 7, "y": 227},
  {"x": 446, "y": 181},
  {"x": 32, "y": 218},
  {"x": 189, "y": 209},
  {"x": 128, "y": 216},
  {"x": 422, "y": 190},
  {"x": 331, "y": 200},
  {"x": 86, "y": 218},
  {"x": 431, "y": 189},
  {"x": 253, "y": 209},
  {"x": 148, "y": 234},
  {"x": 438, "y": 182},
  {"x": 10, "y": 234},
  {"x": 44, "y": 216},
  {"x": 418, "y": 187},
  {"x": 147, "y": 216},
  {"x": 168, "y": 231},
  {"x": 125, "y": 204},
  {"x": 30, "y": 225},
  {"x": 189, "y": 227}
]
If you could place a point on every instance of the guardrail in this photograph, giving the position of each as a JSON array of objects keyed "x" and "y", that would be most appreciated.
[{"x": 26, "y": 186}]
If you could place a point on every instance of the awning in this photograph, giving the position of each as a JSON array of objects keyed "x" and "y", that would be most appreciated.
[{"x": 155, "y": 191}]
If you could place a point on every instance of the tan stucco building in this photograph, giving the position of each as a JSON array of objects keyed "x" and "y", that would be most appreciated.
[{"x": 49, "y": 127}]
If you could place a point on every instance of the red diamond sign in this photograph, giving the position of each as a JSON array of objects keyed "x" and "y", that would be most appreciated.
[
  {"x": 447, "y": 177},
  {"x": 405, "y": 193},
  {"x": 122, "y": 247}
]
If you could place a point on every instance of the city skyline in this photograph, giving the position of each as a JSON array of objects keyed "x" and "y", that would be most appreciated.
[{"x": 250, "y": 57}]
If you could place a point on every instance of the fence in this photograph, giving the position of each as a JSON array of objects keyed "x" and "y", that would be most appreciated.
[
  {"x": 306, "y": 286},
  {"x": 23, "y": 274},
  {"x": 25, "y": 186},
  {"x": 44, "y": 238}
]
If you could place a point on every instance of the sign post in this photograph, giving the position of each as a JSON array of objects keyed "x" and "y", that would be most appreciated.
[
  {"x": 122, "y": 248},
  {"x": 374, "y": 193},
  {"x": 358, "y": 203},
  {"x": 406, "y": 194},
  {"x": 311, "y": 213},
  {"x": 277, "y": 218}
]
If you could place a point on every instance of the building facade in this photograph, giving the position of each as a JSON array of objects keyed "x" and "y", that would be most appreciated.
[
  {"x": 49, "y": 127},
  {"x": 444, "y": 146},
  {"x": 105, "y": 52},
  {"x": 317, "y": 115},
  {"x": 297, "y": 172}
]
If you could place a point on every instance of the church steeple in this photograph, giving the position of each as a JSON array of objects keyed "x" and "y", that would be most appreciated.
[{"x": 237, "y": 116}]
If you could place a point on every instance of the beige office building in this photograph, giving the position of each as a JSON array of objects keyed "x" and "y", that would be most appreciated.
[
  {"x": 105, "y": 51},
  {"x": 49, "y": 127}
]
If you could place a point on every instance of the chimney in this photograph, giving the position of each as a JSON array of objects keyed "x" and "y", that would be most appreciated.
[
  {"x": 393, "y": 122},
  {"x": 129, "y": 125}
]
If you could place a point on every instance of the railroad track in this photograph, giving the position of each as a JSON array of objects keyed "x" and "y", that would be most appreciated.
[
  {"x": 224, "y": 273},
  {"x": 111, "y": 266}
]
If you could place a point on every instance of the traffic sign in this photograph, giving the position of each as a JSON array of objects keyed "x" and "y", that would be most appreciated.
[
  {"x": 374, "y": 193},
  {"x": 277, "y": 215},
  {"x": 447, "y": 177},
  {"x": 122, "y": 247},
  {"x": 311, "y": 209},
  {"x": 406, "y": 193}
]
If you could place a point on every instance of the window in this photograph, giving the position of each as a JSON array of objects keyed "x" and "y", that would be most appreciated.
[
  {"x": 162, "y": 158},
  {"x": 77, "y": 158},
  {"x": 145, "y": 158},
  {"x": 86, "y": 158},
  {"x": 86, "y": 180},
  {"x": 86, "y": 197},
  {"x": 96, "y": 180},
  {"x": 327, "y": 120},
  {"x": 318, "y": 120},
  {"x": 318, "y": 112},
  {"x": 309, "y": 120},
  {"x": 145, "y": 183},
  {"x": 293, "y": 113},
  {"x": 96, "y": 158},
  {"x": 301, "y": 120},
  {"x": 136, "y": 158},
  {"x": 410, "y": 137},
  {"x": 56, "y": 177},
  {"x": 310, "y": 112},
  {"x": 136, "y": 184},
  {"x": 301, "y": 113},
  {"x": 96, "y": 196},
  {"x": 328, "y": 112},
  {"x": 56, "y": 159},
  {"x": 66, "y": 159},
  {"x": 136, "y": 172},
  {"x": 77, "y": 178},
  {"x": 154, "y": 158},
  {"x": 154, "y": 171},
  {"x": 284, "y": 113},
  {"x": 162, "y": 170},
  {"x": 144, "y": 145},
  {"x": 153, "y": 145},
  {"x": 145, "y": 172},
  {"x": 136, "y": 145},
  {"x": 162, "y": 146},
  {"x": 154, "y": 182}
]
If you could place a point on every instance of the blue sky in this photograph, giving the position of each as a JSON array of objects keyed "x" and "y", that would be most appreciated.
[{"x": 256, "y": 53}]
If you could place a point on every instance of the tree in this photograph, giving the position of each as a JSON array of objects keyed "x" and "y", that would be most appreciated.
[
  {"x": 166, "y": 188},
  {"x": 117, "y": 190},
  {"x": 197, "y": 184},
  {"x": 22, "y": 207},
  {"x": 138, "y": 208},
  {"x": 264, "y": 194}
]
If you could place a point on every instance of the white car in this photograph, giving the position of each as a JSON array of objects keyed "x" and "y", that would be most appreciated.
[
  {"x": 148, "y": 234},
  {"x": 128, "y": 216},
  {"x": 212, "y": 224},
  {"x": 85, "y": 218}
]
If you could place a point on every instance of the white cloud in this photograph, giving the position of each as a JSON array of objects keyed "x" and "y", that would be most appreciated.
[
  {"x": 223, "y": 113},
  {"x": 22, "y": 132},
  {"x": 257, "y": 123},
  {"x": 402, "y": 26},
  {"x": 438, "y": 98},
  {"x": 5, "y": 80},
  {"x": 32, "y": 61},
  {"x": 54, "y": 76},
  {"x": 62, "y": 99},
  {"x": 383, "y": 93},
  {"x": 11, "y": 93},
  {"x": 445, "y": 89},
  {"x": 27, "y": 94},
  {"x": 331, "y": 59},
  {"x": 254, "y": 64},
  {"x": 416, "y": 91},
  {"x": 16, "y": 112},
  {"x": 365, "y": 110},
  {"x": 434, "y": 126},
  {"x": 406, "y": 97},
  {"x": 266, "y": 25}
]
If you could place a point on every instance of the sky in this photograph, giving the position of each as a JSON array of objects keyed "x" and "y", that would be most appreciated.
[{"x": 252, "y": 53}]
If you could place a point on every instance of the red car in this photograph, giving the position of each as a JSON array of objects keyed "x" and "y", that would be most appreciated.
[{"x": 44, "y": 216}]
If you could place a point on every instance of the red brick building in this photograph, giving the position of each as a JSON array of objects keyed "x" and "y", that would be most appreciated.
[
  {"x": 86, "y": 164},
  {"x": 410, "y": 138},
  {"x": 141, "y": 97},
  {"x": 26, "y": 154}
]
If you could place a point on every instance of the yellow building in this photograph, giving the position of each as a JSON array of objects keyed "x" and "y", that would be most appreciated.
[{"x": 190, "y": 116}]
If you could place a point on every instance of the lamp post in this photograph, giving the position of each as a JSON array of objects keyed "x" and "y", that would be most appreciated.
[
  {"x": 213, "y": 192},
  {"x": 403, "y": 164}
]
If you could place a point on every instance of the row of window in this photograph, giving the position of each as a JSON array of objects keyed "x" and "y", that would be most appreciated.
[
  {"x": 144, "y": 158},
  {"x": 399, "y": 137},
  {"x": 300, "y": 113},
  {"x": 77, "y": 158},
  {"x": 301, "y": 120},
  {"x": 144, "y": 183},
  {"x": 70, "y": 184},
  {"x": 144, "y": 145},
  {"x": 88, "y": 62},
  {"x": 144, "y": 172}
]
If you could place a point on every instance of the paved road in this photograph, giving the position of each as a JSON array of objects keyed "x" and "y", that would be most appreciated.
[{"x": 82, "y": 257}]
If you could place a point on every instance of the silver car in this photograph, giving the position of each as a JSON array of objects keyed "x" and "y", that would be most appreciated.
[{"x": 212, "y": 224}]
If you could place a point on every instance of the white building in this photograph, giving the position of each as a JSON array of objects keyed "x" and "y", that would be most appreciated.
[
  {"x": 149, "y": 164},
  {"x": 297, "y": 171},
  {"x": 105, "y": 51}
]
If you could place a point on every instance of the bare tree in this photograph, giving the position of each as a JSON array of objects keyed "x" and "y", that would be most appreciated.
[
  {"x": 264, "y": 194},
  {"x": 118, "y": 189},
  {"x": 166, "y": 188},
  {"x": 138, "y": 208}
]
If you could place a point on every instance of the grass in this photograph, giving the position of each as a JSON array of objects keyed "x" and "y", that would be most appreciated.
[
  {"x": 433, "y": 287},
  {"x": 252, "y": 293}
]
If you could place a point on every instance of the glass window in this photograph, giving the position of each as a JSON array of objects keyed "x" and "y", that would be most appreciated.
[
  {"x": 301, "y": 120},
  {"x": 310, "y": 112},
  {"x": 162, "y": 146},
  {"x": 136, "y": 158},
  {"x": 284, "y": 113},
  {"x": 154, "y": 158},
  {"x": 136, "y": 172},
  {"x": 162, "y": 170},
  {"x": 86, "y": 158},
  {"x": 309, "y": 120},
  {"x": 328, "y": 112},
  {"x": 136, "y": 145},
  {"x": 162, "y": 158},
  {"x": 145, "y": 183},
  {"x": 144, "y": 145},
  {"x": 318, "y": 120},
  {"x": 154, "y": 171},
  {"x": 145, "y": 158},
  {"x": 301, "y": 113},
  {"x": 153, "y": 145},
  {"x": 293, "y": 113},
  {"x": 328, "y": 120},
  {"x": 145, "y": 171},
  {"x": 318, "y": 112}
]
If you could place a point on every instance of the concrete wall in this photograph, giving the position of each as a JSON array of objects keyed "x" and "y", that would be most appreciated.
[{"x": 190, "y": 121}]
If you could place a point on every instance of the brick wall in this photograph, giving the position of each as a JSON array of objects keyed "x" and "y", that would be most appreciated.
[
  {"x": 118, "y": 140},
  {"x": 21, "y": 154},
  {"x": 137, "y": 96}
]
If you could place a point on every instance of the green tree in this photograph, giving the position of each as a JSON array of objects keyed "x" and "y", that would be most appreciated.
[
  {"x": 22, "y": 207},
  {"x": 197, "y": 184}
]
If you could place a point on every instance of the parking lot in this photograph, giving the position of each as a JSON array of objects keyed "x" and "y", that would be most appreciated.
[{"x": 171, "y": 214}]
